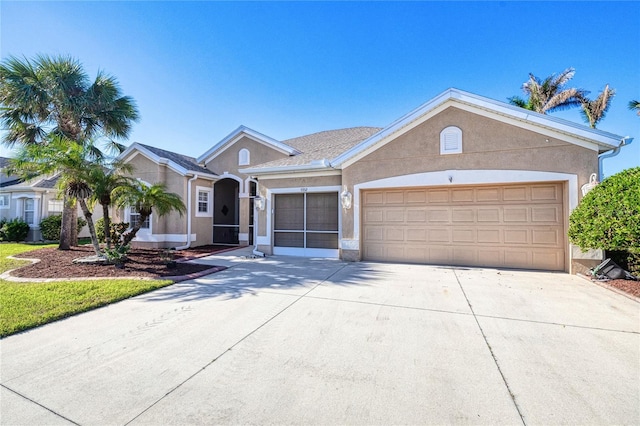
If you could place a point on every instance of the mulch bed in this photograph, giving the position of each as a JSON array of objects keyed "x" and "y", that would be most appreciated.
[
  {"x": 627, "y": 286},
  {"x": 144, "y": 263}
]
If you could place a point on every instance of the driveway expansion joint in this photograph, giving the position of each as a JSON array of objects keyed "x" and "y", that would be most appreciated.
[
  {"x": 495, "y": 360},
  {"x": 38, "y": 404}
]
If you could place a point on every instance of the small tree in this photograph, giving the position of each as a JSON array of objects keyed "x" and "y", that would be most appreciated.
[
  {"x": 144, "y": 199},
  {"x": 608, "y": 217}
]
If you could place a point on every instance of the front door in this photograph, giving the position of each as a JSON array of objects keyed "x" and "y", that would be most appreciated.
[{"x": 226, "y": 212}]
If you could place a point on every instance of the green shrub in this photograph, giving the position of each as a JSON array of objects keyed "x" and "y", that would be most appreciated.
[
  {"x": 117, "y": 229},
  {"x": 608, "y": 217},
  {"x": 50, "y": 226},
  {"x": 15, "y": 230}
]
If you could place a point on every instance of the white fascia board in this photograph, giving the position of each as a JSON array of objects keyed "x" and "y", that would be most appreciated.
[
  {"x": 237, "y": 134},
  {"x": 603, "y": 139},
  {"x": 314, "y": 166},
  {"x": 305, "y": 174},
  {"x": 454, "y": 97},
  {"x": 136, "y": 149}
]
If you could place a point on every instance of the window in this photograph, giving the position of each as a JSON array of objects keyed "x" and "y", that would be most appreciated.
[
  {"x": 243, "y": 157},
  {"x": 451, "y": 140},
  {"x": 203, "y": 201},
  {"x": 4, "y": 201},
  {"x": 55, "y": 206},
  {"x": 29, "y": 210},
  {"x": 134, "y": 219}
]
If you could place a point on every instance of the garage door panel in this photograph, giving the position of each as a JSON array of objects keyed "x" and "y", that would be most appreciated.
[
  {"x": 518, "y": 226},
  {"x": 416, "y": 215},
  {"x": 394, "y": 215},
  {"x": 463, "y": 215},
  {"x": 488, "y": 195},
  {"x": 435, "y": 215},
  {"x": 442, "y": 235},
  {"x": 516, "y": 236},
  {"x": 419, "y": 197},
  {"x": 545, "y": 193},
  {"x": 464, "y": 235},
  {"x": 489, "y": 215},
  {"x": 489, "y": 236},
  {"x": 394, "y": 234},
  {"x": 516, "y": 193},
  {"x": 549, "y": 214},
  {"x": 516, "y": 214},
  {"x": 548, "y": 237}
]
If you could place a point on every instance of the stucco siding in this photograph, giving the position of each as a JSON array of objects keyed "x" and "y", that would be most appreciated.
[
  {"x": 487, "y": 144},
  {"x": 227, "y": 160}
]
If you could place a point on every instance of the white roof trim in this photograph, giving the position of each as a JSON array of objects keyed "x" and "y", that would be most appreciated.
[
  {"x": 136, "y": 148},
  {"x": 313, "y": 166},
  {"x": 237, "y": 134},
  {"x": 603, "y": 140}
]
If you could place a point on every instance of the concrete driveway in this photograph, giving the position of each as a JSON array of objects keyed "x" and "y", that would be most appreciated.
[{"x": 313, "y": 341}]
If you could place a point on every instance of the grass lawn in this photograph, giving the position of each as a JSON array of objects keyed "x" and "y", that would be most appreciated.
[{"x": 25, "y": 305}]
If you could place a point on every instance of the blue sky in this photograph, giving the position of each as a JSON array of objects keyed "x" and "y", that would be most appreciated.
[{"x": 198, "y": 70}]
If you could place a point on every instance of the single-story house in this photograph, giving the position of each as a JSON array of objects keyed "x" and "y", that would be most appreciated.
[
  {"x": 32, "y": 200},
  {"x": 460, "y": 180}
]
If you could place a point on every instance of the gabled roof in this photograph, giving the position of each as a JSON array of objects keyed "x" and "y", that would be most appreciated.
[
  {"x": 318, "y": 148},
  {"x": 240, "y": 132},
  {"x": 338, "y": 148},
  {"x": 181, "y": 164},
  {"x": 576, "y": 133},
  {"x": 5, "y": 179}
]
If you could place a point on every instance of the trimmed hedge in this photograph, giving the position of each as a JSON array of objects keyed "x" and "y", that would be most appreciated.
[
  {"x": 50, "y": 226},
  {"x": 608, "y": 217},
  {"x": 15, "y": 230}
]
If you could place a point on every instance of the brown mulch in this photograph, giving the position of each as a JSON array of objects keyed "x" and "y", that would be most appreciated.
[
  {"x": 145, "y": 263},
  {"x": 628, "y": 286}
]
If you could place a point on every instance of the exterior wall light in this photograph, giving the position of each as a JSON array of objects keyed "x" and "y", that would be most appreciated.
[
  {"x": 346, "y": 198},
  {"x": 593, "y": 181},
  {"x": 259, "y": 202}
]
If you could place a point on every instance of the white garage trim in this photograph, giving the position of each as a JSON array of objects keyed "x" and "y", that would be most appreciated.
[{"x": 459, "y": 177}]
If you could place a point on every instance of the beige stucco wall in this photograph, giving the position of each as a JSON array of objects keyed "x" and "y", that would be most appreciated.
[
  {"x": 487, "y": 144},
  {"x": 227, "y": 160},
  {"x": 173, "y": 223},
  {"x": 201, "y": 226}
]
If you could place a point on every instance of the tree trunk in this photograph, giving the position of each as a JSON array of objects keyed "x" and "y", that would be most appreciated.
[
  {"x": 92, "y": 229},
  {"x": 132, "y": 234},
  {"x": 65, "y": 233},
  {"x": 107, "y": 225},
  {"x": 74, "y": 227}
]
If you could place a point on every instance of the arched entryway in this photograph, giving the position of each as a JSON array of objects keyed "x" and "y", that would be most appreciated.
[{"x": 226, "y": 212}]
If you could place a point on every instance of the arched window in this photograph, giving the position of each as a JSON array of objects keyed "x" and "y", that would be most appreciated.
[
  {"x": 451, "y": 140},
  {"x": 243, "y": 157}
]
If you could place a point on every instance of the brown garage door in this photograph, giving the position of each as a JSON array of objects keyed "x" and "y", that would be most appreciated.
[{"x": 514, "y": 226}]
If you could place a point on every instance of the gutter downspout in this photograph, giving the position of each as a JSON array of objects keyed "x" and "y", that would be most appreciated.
[
  {"x": 188, "y": 244},
  {"x": 624, "y": 142}
]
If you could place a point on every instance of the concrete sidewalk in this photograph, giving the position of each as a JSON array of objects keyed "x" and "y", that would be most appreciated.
[{"x": 316, "y": 341}]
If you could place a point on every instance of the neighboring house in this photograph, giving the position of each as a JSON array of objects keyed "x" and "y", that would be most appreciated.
[
  {"x": 461, "y": 180},
  {"x": 32, "y": 200}
]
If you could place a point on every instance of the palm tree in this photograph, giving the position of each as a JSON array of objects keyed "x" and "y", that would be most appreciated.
[
  {"x": 54, "y": 96},
  {"x": 594, "y": 110},
  {"x": 635, "y": 105},
  {"x": 144, "y": 199},
  {"x": 550, "y": 94},
  {"x": 103, "y": 182},
  {"x": 72, "y": 161}
]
